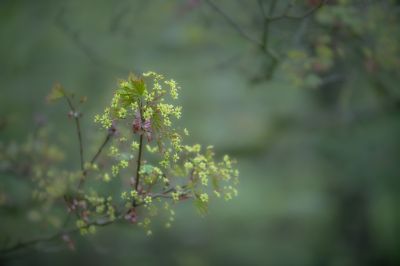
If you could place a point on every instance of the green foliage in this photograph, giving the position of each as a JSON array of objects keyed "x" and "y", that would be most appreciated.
[
  {"x": 56, "y": 93},
  {"x": 321, "y": 168},
  {"x": 139, "y": 124},
  {"x": 174, "y": 171}
]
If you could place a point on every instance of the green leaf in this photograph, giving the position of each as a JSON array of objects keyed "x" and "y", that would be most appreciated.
[
  {"x": 202, "y": 207},
  {"x": 57, "y": 92},
  {"x": 139, "y": 85},
  {"x": 156, "y": 121}
]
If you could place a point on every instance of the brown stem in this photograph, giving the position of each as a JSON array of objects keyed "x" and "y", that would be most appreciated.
[
  {"x": 139, "y": 162},
  {"x": 78, "y": 130},
  {"x": 94, "y": 158},
  {"x": 108, "y": 137}
]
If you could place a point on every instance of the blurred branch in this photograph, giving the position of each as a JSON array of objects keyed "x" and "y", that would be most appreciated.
[
  {"x": 265, "y": 36},
  {"x": 76, "y": 117},
  {"x": 117, "y": 18},
  {"x": 61, "y": 233},
  {"x": 85, "y": 48},
  {"x": 97, "y": 154},
  {"x": 268, "y": 18},
  {"x": 263, "y": 44},
  {"x": 286, "y": 15},
  {"x": 23, "y": 245},
  {"x": 231, "y": 22}
]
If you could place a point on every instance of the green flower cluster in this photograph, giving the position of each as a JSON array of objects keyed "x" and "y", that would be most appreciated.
[
  {"x": 145, "y": 155},
  {"x": 143, "y": 114}
]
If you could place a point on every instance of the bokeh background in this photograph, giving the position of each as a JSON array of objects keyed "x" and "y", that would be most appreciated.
[{"x": 316, "y": 130}]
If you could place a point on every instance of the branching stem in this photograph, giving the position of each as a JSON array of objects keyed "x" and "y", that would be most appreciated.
[
  {"x": 78, "y": 130},
  {"x": 268, "y": 18},
  {"x": 23, "y": 245},
  {"x": 139, "y": 162}
]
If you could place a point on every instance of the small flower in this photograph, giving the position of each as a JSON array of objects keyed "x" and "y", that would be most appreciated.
[
  {"x": 135, "y": 145},
  {"x": 123, "y": 163},
  {"x": 175, "y": 196},
  {"x": 188, "y": 165},
  {"x": 124, "y": 195},
  {"x": 148, "y": 113},
  {"x": 106, "y": 177},
  {"x": 148, "y": 200},
  {"x": 115, "y": 170},
  {"x": 122, "y": 112},
  {"x": 134, "y": 193},
  {"x": 204, "y": 197}
]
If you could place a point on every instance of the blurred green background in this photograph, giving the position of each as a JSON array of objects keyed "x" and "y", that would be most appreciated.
[{"x": 316, "y": 135}]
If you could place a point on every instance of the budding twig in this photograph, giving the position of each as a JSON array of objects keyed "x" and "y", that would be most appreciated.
[{"x": 78, "y": 129}]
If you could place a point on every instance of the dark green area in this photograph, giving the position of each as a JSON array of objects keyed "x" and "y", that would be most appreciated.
[{"x": 318, "y": 150}]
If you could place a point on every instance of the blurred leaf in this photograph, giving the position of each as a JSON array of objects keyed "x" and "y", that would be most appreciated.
[
  {"x": 57, "y": 92},
  {"x": 139, "y": 85},
  {"x": 202, "y": 207}
]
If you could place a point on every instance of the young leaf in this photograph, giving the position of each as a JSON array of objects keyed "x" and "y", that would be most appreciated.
[
  {"x": 202, "y": 207},
  {"x": 57, "y": 92}
]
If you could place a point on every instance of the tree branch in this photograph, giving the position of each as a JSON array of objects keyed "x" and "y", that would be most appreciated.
[
  {"x": 78, "y": 130},
  {"x": 106, "y": 140},
  {"x": 232, "y": 23},
  {"x": 263, "y": 44},
  {"x": 139, "y": 162},
  {"x": 286, "y": 15},
  {"x": 94, "y": 158},
  {"x": 23, "y": 245},
  {"x": 268, "y": 18}
]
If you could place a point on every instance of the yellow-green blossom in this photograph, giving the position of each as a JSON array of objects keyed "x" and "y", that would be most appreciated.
[
  {"x": 175, "y": 196},
  {"x": 148, "y": 200},
  {"x": 106, "y": 177},
  {"x": 123, "y": 163},
  {"x": 204, "y": 197}
]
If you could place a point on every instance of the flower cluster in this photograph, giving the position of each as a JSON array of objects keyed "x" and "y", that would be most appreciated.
[
  {"x": 148, "y": 144},
  {"x": 141, "y": 170}
]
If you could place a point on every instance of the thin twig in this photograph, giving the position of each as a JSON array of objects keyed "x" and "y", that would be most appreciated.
[
  {"x": 106, "y": 140},
  {"x": 139, "y": 162},
  {"x": 263, "y": 44},
  {"x": 22, "y": 245},
  {"x": 265, "y": 33},
  {"x": 94, "y": 158},
  {"x": 232, "y": 23},
  {"x": 78, "y": 130},
  {"x": 84, "y": 173},
  {"x": 79, "y": 133},
  {"x": 286, "y": 15},
  {"x": 87, "y": 50}
]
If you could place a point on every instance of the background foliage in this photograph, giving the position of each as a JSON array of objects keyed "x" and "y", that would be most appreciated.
[{"x": 309, "y": 106}]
